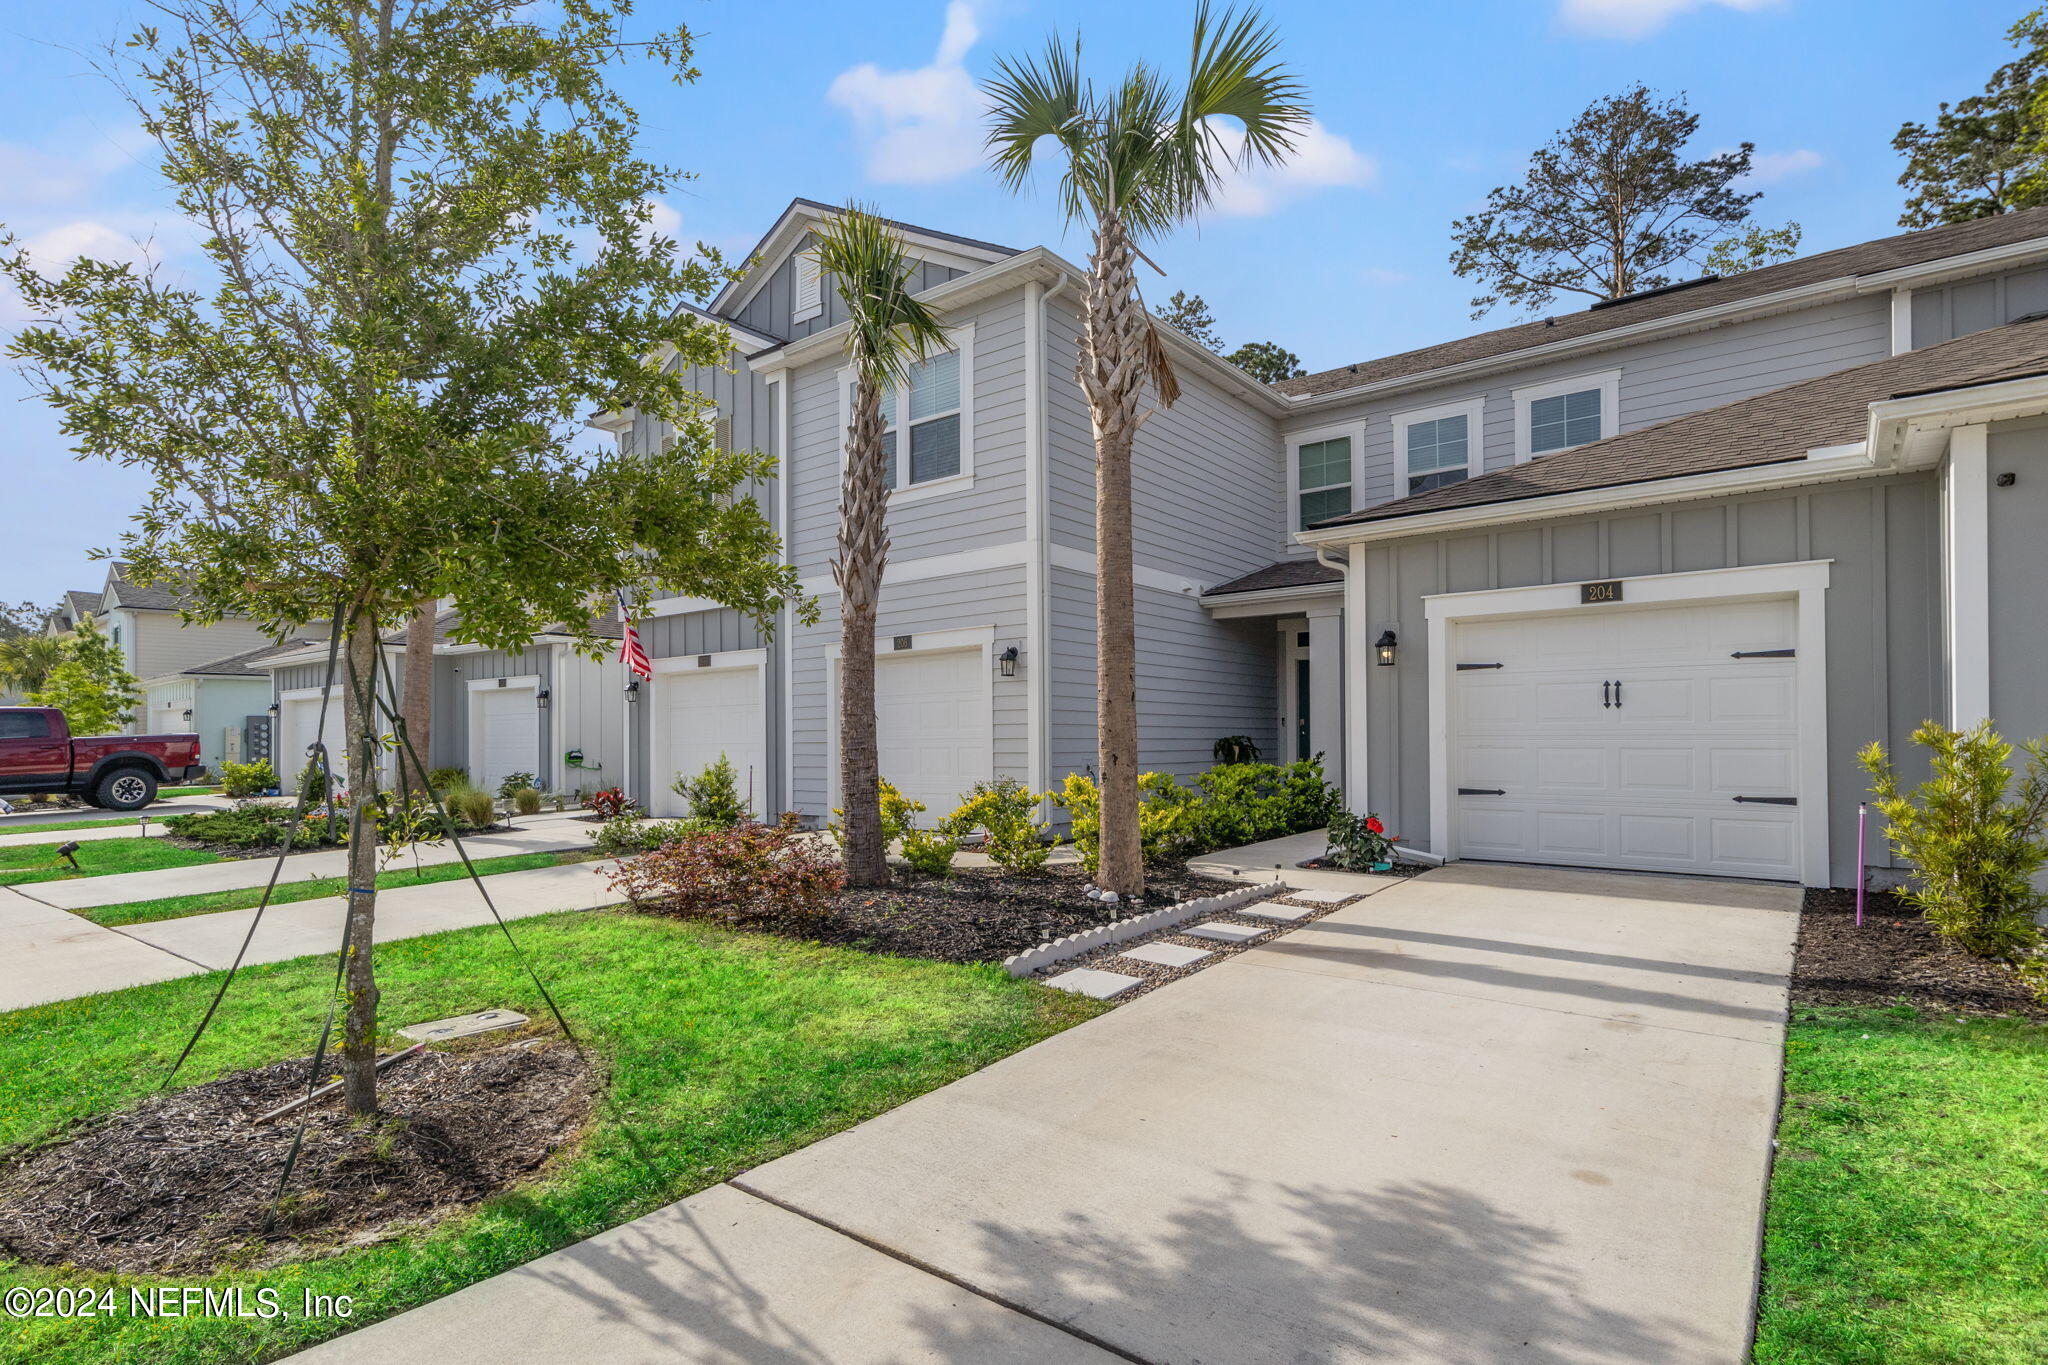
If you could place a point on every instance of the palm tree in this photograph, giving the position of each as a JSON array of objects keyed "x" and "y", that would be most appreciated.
[
  {"x": 26, "y": 661},
  {"x": 1139, "y": 160},
  {"x": 889, "y": 332}
]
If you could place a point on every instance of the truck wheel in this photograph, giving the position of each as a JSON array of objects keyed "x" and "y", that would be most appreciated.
[{"x": 125, "y": 789}]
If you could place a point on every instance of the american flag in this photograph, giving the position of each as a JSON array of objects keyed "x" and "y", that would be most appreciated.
[{"x": 630, "y": 653}]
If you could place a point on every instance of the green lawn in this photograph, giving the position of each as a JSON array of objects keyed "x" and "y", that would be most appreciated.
[
  {"x": 1908, "y": 1218},
  {"x": 96, "y": 858},
  {"x": 312, "y": 888},
  {"x": 187, "y": 791},
  {"x": 724, "y": 1050},
  {"x": 59, "y": 826}
]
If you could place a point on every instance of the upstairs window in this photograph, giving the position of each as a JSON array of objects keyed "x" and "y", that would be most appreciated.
[
  {"x": 1566, "y": 413},
  {"x": 927, "y": 423},
  {"x": 1437, "y": 446},
  {"x": 1322, "y": 480}
]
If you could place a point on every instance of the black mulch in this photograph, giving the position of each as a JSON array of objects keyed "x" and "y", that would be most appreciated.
[
  {"x": 182, "y": 1182},
  {"x": 978, "y": 914},
  {"x": 1895, "y": 956}
]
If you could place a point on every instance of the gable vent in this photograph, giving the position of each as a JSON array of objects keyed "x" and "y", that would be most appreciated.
[{"x": 810, "y": 289}]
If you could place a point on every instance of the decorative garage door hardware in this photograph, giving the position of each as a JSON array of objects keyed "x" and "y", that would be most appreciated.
[
  {"x": 1466, "y": 668},
  {"x": 1770, "y": 800},
  {"x": 1484, "y": 791},
  {"x": 1765, "y": 654},
  {"x": 1615, "y": 700}
]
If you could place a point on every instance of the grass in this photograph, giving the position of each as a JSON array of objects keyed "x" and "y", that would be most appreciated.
[
  {"x": 724, "y": 1050},
  {"x": 187, "y": 791},
  {"x": 102, "y": 857},
  {"x": 312, "y": 888},
  {"x": 1908, "y": 1220},
  {"x": 59, "y": 826}
]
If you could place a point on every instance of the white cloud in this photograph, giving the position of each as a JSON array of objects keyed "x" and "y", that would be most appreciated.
[
  {"x": 924, "y": 124},
  {"x": 41, "y": 177},
  {"x": 55, "y": 248},
  {"x": 1383, "y": 275},
  {"x": 1769, "y": 168},
  {"x": 1321, "y": 160},
  {"x": 1635, "y": 18}
]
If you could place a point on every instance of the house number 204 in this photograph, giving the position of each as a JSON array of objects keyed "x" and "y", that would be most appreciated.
[{"x": 1610, "y": 591}]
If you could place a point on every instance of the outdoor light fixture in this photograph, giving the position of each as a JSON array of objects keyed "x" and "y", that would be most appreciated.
[
  {"x": 188, "y": 713},
  {"x": 272, "y": 708},
  {"x": 1008, "y": 660},
  {"x": 1384, "y": 648},
  {"x": 540, "y": 699},
  {"x": 632, "y": 689},
  {"x": 69, "y": 853}
]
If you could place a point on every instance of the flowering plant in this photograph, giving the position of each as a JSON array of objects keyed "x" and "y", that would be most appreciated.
[
  {"x": 610, "y": 802},
  {"x": 1358, "y": 843}
]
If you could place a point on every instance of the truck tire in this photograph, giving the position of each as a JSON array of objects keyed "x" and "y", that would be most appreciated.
[{"x": 125, "y": 789}]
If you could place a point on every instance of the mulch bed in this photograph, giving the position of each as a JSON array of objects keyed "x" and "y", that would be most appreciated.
[
  {"x": 183, "y": 1181},
  {"x": 1895, "y": 956},
  {"x": 979, "y": 914}
]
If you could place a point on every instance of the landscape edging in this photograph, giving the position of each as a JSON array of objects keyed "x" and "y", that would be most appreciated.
[{"x": 1073, "y": 945}]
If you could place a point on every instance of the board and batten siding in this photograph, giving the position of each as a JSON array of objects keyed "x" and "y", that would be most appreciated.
[
  {"x": 991, "y": 598},
  {"x": 1947, "y": 311},
  {"x": 588, "y": 710},
  {"x": 1659, "y": 380},
  {"x": 718, "y": 631},
  {"x": 1883, "y": 617},
  {"x": 738, "y": 395},
  {"x": 452, "y": 676},
  {"x": 769, "y": 310},
  {"x": 2019, "y": 566}
]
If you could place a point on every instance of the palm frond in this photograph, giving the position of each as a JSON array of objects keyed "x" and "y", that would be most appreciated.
[
  {"x": 1159, "y": 368},
  {"x": 889, "y": 329},
  {"x": 1034, "y": 99},
  {"x": 1233, "y": 74}
]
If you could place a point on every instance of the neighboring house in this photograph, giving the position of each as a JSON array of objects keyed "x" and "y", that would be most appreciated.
[
  {"x": 1626, "y": 587},
  {"x": 547, "y": 710},
  {"x": 224, "y": 700},
  {"x": 146, "y": 624}
]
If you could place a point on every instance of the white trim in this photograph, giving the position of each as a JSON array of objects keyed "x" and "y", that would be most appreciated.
[
  {"x": 797, "y": 219},
  {"x": 475, "y": 688},
  {"x": 1902, "y": 320},
  {"x": 964, "y": 638},
  {"x": 721, "y": 661},
  {"x": 1967, "y": 512},
  {"x": 1358, "y": 669},
  {"x": 1806, "y": 581},
  {"x": 1608, "y": 382},
  {"x": 678, "y": 606},
  {"x": 1266, "y": 602},
  {"x": 1293, "y": 443},
  {"x": 961, "y": 341},
  {"x": 308, "y": 693},
  {"x": 785, "y": 642},
  {"x": 505, "y": 684},
  {"x": 1075, "y": 560},
  {"x": 1473, "y": 410},
  {"x": 920, "y": 569},
  {"x": 807, "y": 297},
  {"x": 1035, "y": 700}
]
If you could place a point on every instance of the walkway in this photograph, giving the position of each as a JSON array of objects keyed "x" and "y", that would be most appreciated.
[{"x": 1490, "y": 1114}]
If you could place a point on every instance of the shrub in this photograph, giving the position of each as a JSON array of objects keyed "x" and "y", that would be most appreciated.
[
  {"x": 609, "y": 802},
  {"x": 751, "y": 871},
  {"x": 252, "y": 824},
  {"x": 1358, "y": 842},
  {"x": 1170, "y": 818},
  {"x": 313, "y": 788},
  {"x": 516, "y": 783},
  {"x": 445, "y": 780},
  {"x": 473, "y": 807},
  {"x": 898, "y": 813},
  {"x": 931, "y": 851},
  {"x": 626, "y": 834},
  {"x": 714, "y": 794},
  {"x": 1003, "y": 811},
  {"x": 1248, "y": 802},
  {"x": 1081, "y": 799},
  {"x": 1974, "y": 851},
  {"x": 241, "y": 780},
  {"x": 527, "y": 800}
]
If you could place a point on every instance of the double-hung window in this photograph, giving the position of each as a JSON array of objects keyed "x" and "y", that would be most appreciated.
[
  {"x": 1565, "y": 413},
  {"x": 1438, "y": 446},
  {"x": 926, "y": 422},
  {"x": 1322, "y": 476}
]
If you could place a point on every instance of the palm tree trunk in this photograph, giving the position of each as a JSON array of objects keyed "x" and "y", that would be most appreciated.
[
  {"x": 863, "y": 551},
  {"x": 359, "y": 1025},
  {"x": 417, "y": 705},
  {"x": 1112, "y": 376}
]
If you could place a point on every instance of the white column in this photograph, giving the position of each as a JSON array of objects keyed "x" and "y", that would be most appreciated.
[
  {"x": 1902, "y": 320},
  {"x": 1326, "y": 686},
  {"x": 1967, "y": 532},
  {"x": 1357, "y": 655}
]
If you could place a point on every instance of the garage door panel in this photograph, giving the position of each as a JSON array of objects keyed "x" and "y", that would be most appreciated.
[
  {"x": 1747, "y": 700},
  {"x": 933, "y": 725},
  {"x": 1754, "y": 772},
  {"x": 1565, "y": 767},
  {"x": 1495, "y": 832},
  {"x": 709, "y": 713},
  {"x": 1503, "y": 705},
  {"x": 1576, "y": 832},
  {"x": 1756, "y": 842},
  {"x": 1657, "y": 837},
  {"x": 1494, "y": 766},
  {"x": 1658, "y": 771}
]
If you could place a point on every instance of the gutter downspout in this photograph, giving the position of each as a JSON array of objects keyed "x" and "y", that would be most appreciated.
[{"x": 1038, "y": 533}]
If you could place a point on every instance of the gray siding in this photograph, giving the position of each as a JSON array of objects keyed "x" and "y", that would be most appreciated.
[
  {"x": 589, "y": 713},
  {"x": 2019, "y": 566},
  {"x": 1947, "y": 311},
  {"x": 736, "y": 393},
  {"x": 452, "y": 676},
  {"x": 1883, "y": 615},
  {"x": 709, "y": 632},
  {"x": 1659, "y": 380},
  {"x": 768, "y": 312}
]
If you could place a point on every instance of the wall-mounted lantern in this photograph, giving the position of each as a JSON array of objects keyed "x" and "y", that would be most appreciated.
[
  {"x": 632, "y": 689},
  {"x": 540, "y": 699},
  {"x": 272, "y": 708},
  {"x": 1007, "y": 660},
  {"x": 1383, "y": 649},
  {"x": 188, "y": 714}
]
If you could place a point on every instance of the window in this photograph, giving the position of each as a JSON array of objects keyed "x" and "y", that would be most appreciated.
[
  {"x": 926, "y": 424},
  {"x": 1565, "y": 413},
  {"x": 1322, "y": 472},
  {"x": 24, "y": 725},
  {"x": 1438, "y": 446},
  {"x": 116, "y": 637}
]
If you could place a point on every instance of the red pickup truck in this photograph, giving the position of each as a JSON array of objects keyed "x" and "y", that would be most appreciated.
[{"x": 119, "y": 772}]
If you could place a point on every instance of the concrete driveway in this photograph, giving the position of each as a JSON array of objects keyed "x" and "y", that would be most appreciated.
[{"x": 1490, "y": 1115}]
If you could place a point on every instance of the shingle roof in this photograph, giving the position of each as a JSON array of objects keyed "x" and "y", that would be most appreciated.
[
  {"x": 76, "y": 603},
  {"x": 242, "y": 665},
  {"x": 144, "y": 597},
  {"x": 604, "y": 625},
  {"x": 1288, "y": 573},
  {"x": 1865, "y": 258},
  {"x": 1768, "y": 429}
]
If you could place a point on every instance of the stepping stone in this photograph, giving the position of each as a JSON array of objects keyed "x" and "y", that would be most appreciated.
[
  {"x": 1226, "y": 933},
  {"x": 1093, "y": 982},
  {"x": 1324, "y": 897},
  {"x": 463, "y": 1025},
  {"x": 1275, "y": 910},
  {"x": 1167, "y": 954}
]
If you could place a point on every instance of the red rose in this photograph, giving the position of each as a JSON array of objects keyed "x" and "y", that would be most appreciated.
[{"x": 1372, "y": 822}]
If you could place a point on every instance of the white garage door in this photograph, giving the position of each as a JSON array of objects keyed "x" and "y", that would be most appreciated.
[
  {"x": 704, "y": 713},
  {"x": 507, "y": 736},
  {"x": 299, "y": 725},
  {"x": 932, "y": 714},
  {"x": 1664, "y": 739}
]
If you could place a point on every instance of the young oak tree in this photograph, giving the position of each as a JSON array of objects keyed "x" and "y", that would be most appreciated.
[
  {"x": 429, "y": 239},
  {"x": 1609, "y": 207},
  {"x": 1139, "y": 158}
]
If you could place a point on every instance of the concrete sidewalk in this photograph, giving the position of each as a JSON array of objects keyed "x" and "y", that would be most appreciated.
[
  {"x": 50, "y": 954},
  {"x": 1486, "y": 1115},
  {"x": 540, "y": 834}
]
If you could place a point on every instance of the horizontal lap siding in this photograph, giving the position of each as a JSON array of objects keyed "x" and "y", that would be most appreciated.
[
  {"x": 1883, "y": 615},
  {"x": 992, "y": 598}
]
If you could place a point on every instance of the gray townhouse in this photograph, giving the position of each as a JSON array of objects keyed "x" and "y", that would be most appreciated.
[{"x": 1624, "y": 587}]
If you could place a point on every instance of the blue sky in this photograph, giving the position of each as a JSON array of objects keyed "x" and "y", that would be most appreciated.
[{"x": 1420, "y": 110}]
